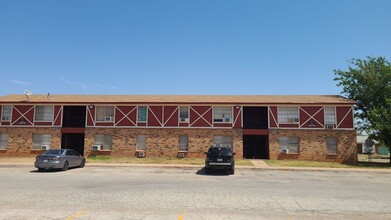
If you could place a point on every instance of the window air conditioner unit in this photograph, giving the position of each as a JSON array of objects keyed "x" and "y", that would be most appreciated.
[
  {"x": 45, "y": 147},
  {"x": 291, "y": 120},
  {"x": 141, "y": 154},
  {"x": 180, "y": 155},
  {"x": 330, "y": 126},
  {"x": 284, "y": 151},
  {"x": 96, "y": 147},
  {"x": 108, "y": 118},
  {"x": 184, "y": 120}
]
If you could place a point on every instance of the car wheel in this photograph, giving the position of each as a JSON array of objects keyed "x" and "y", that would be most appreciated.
[
  {"x": 83, "y": 163},
  {"x": 232, "y": 171},
  {"x": 207, "y": 170},
  {"x": 66, "y": 166},
  {"x": 41, "y": 169}
]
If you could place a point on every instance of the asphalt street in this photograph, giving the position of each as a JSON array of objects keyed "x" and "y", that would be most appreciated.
[{"x": 186, "y": 193}]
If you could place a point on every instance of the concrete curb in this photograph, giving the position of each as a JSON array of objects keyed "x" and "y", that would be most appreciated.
[
  {"x": 326, "y": 169},
  {"x": 156, "y": 165},
  {"x": 362, "y": 170}
]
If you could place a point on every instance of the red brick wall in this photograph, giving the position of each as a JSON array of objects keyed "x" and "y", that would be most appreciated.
[
  {"x": 164, "y": 142},
  {"x": 20, "y": 140},
  {"x": 313, "y": 145},
  {"x": 161, "y": 142}
]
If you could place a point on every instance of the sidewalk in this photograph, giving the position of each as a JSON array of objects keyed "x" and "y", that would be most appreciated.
[
  {"x": 261, "y": 164},
  {"x": 257, "y": 164}
]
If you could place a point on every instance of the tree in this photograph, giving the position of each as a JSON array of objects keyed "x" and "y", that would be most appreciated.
[{"x": 368, "y": 82}]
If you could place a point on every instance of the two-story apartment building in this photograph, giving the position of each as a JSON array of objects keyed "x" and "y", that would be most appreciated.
[{"x": 266, "y": 127}]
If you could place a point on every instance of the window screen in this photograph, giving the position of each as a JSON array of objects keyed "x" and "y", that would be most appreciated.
[
  {"x": 184, "y": 113},
  {"x": 223, "y": 141},
  {"x": 44, "y": 113},
  {"x": 331, "y": 145},
  {"x": 222, "y": 114},
  {"x": 6, "y": 115},
  {"x": 142, "y": 113},
  {"x": 329, "y": 114},
  {"x": 289, "y": 143},
  {"x": 104, "y": 140},
  {"x": 104, "y": 113},
  {"x": 288, "y": 115},
  {"x": 3, "y": 141},
  {"x": 183, "y": 143},
  {"x": 41, "y": 139},
  {"x": 141, "y": 142}
]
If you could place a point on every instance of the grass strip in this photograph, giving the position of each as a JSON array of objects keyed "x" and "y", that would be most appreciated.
[
  {"x": 302, "y": 163},
  {"x": 156, "y": 160}
]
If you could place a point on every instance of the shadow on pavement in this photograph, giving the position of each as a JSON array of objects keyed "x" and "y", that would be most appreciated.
[
  {"x": 212, "y": 172},
  {"x": 52, "y": 170}
]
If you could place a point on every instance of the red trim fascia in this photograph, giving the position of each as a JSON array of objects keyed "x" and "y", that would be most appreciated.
[
  {"x": 255, "y": 131},
  {"x": 73, "y": 130},
  {"x": 185, "y": 103}
]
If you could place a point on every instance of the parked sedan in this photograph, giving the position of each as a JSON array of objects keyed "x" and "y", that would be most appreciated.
[{"x": 59, "y": 159}]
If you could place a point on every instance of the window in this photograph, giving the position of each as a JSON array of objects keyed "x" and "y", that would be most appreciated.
[
  {"x": 105, "y": 113},
  {"x": 223, "y": 141},
  {"x": 141, "y": 142},
  {"x": 183, "y": 143},
  {"x": 6, "y": 115},
  {"x": 331, "y": 145},
  {"x": 287, "y": 115},
  {"x": 41, "y": 139},
  {"x": 44, "y": 113},
  {"x": 72, "y": 153},
  {"x": 222, "y": 114},
  {"x": 104, "y": 140},
  {"x": 329, "y": 115},
  {"x": 142, "y": 114},
  {"x": 289, "y": 144},
  {"x": 3, "y": 141},
  {"x": 184, "y": 114}
]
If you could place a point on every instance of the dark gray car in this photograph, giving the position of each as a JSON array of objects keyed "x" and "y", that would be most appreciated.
[
  {"x": 220, "y": 158},
  {"x": 59, "y": 159}
]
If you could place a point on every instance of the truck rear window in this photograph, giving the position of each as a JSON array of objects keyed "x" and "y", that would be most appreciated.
[{"x": 220, "y": 151}]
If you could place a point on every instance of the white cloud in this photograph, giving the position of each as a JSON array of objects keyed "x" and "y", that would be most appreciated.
[
  {"x": 66, "y": 81},
  {"x": 14, "y": 81},
  {"x": 113, "y": 87},
  {"x": 106, "y": 87},
  {"x": 83, "y": 85}
]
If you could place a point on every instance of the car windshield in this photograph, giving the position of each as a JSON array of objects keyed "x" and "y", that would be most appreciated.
[
  {"x": 220, "y": 151},
  {"x": 54, "y": 152}
]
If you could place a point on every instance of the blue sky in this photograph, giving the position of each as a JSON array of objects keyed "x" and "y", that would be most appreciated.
[{"x": 186, "y": 47}]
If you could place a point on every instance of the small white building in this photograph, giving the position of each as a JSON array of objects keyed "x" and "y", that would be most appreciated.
[{"x": 363, "y": 148}]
